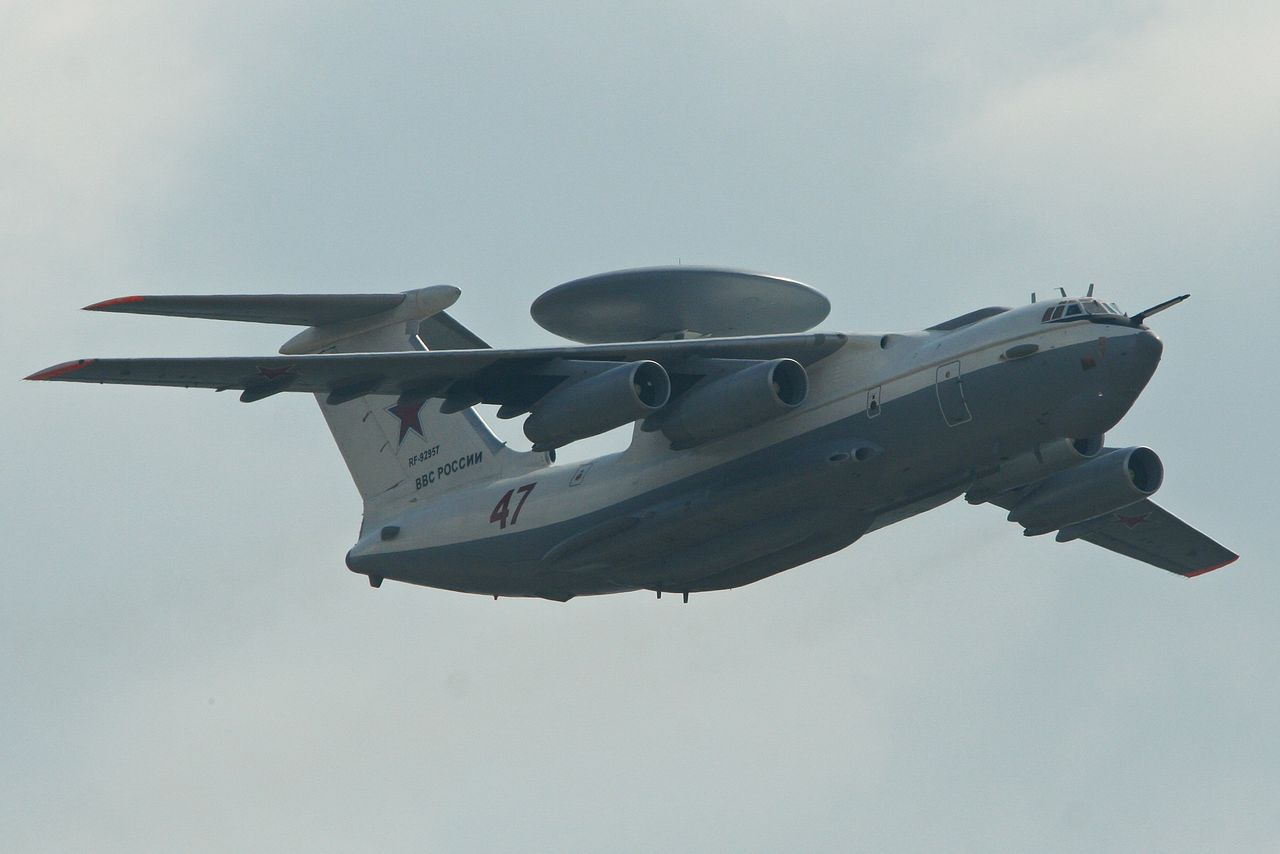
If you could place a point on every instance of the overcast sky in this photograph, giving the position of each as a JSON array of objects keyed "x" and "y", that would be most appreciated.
[{"x": 187, "y": 664}]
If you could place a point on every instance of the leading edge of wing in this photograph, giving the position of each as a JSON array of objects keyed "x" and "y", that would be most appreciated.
[{"x": 395, "y": 373}]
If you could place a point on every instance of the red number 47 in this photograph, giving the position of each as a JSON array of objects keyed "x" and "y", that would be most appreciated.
[{"x": 503, "y": 509}]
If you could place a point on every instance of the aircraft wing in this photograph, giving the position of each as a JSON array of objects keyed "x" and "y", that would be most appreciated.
[
  {"x": 1147, "y": 532},
  {"x": 510, "y": 377}
]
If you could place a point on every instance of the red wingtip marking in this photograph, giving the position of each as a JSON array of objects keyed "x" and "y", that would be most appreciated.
[
  {"x": 108, "y": 303},
  {"x": 1212, "y": 568},
  {"x": 61, "y": 370}
]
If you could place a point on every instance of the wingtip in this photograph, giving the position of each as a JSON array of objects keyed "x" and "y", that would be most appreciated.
[
  {"x": 111, "y": 304},
  {"x": 1228, "y": 562},
  {"x": 58, "y": 371}
]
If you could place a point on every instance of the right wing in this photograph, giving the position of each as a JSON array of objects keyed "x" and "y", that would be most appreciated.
[{"x": 442, "y": 332}]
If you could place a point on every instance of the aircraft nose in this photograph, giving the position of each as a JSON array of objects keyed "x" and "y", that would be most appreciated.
[
  {"x": 1141, "y": 355},
  {"x": 1148, "y": 347}
]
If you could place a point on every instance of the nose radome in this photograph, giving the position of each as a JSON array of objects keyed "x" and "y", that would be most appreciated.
[
  {"x": 1149, "y": 345},
  {"x": 1143, "y": 351}
]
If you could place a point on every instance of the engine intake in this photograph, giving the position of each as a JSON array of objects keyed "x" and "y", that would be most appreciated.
[
  {"x": 744, "y": 397},
  {"x": 1101, "y": 485},
  {"x": 578, "y": 408}
]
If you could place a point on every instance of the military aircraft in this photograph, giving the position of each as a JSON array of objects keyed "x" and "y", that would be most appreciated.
[{"x": 757, "y": 446}]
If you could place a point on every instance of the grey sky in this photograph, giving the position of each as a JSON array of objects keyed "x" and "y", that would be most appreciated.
[{"x": 187, "y": 663}]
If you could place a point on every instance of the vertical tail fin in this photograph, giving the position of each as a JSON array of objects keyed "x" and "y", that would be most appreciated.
[
  {"x": 397, "y": 448},
  {"x": 401, "y": 448}
]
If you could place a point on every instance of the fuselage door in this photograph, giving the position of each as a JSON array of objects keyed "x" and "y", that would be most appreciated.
[{"x": 951, "y": 395}]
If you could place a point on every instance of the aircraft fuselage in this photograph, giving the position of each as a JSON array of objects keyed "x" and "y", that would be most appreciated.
[{"x": 882, "y": 435}]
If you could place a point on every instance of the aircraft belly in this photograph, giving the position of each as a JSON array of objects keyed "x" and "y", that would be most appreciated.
[
  {"x": 764, "y": 564},
  {"x": 716, "y": 515},
  {"x": 706, "y": 543},
  {"x": 766, "y": 509}
]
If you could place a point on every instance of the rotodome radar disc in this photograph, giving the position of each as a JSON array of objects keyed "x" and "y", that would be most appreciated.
[{"x": 677, "y": 302}]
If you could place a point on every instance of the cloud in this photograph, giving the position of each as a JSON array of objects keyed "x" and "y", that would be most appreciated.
[
  {"x": 1160, "y": 120},
  {"x": 108, "y": 100}
]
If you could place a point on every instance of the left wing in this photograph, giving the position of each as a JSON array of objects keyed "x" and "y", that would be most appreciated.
[
  {"x": 1144, "y": 531},
  {"x": 1147, "y": 532},
  {"x": 515, "y": 378}
]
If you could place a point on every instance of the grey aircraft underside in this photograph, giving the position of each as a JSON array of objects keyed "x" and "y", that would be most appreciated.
[{"x": 757, "y": 446}]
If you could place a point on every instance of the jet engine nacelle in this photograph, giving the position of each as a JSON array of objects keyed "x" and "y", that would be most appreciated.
[
  {"x": 742, "y": 398},
  {"x": 1101, "y": 485},
  {"x": 614, "y": 396},
  {"x": 1048, "y": 459}
]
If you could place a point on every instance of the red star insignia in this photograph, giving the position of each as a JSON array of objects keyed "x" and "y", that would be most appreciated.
[
  {"x": 408, "y": 413},
  {"x": 1132, "y": 522},
  {"x": 274, "y": 373}
]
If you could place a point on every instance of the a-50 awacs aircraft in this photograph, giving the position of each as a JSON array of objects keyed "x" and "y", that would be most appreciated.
[{"x": 757, "y": 446}]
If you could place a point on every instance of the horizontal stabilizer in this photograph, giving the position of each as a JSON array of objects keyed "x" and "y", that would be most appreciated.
[
  {"x": 288, "y": 309},
  {"x": 332, "y": 318}
]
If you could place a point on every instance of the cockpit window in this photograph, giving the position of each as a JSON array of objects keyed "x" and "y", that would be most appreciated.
[{"x": 1075, "y": 309}]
